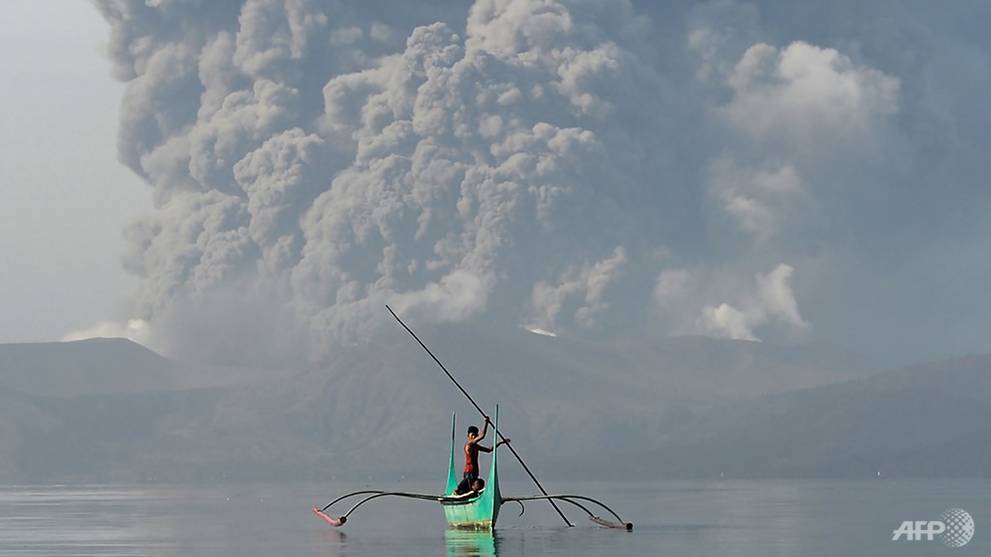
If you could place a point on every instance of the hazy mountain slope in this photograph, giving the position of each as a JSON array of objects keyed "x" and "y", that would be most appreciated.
[
  {"x": 94, "y": 366},
  {"x": 110, "y": 410},
  {"x": 561, "y": 398},
  {"x": 928, "y": 420}
]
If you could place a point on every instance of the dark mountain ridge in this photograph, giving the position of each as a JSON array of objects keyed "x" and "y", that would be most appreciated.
[{"x": 110, "y": 410}]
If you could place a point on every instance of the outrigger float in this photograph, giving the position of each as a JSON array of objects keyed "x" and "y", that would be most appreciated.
[{"x": 475, "y": 511}]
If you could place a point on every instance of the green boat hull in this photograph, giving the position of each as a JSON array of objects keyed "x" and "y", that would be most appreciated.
[{"x": 482, "y": 512}]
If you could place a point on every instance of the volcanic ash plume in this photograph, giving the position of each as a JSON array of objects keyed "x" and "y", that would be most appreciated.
[{"x": 314, "y": 160}]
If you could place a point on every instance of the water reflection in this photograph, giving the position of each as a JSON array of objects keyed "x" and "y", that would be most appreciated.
[
  {"x": 740, "y": 519},
  {"x": 86, "y": 520},
  {"x": 466, "y": 543},
  {"x": 335, "y": 539}
]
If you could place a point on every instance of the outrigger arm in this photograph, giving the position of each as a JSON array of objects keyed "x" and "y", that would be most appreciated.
[
  {"x": 621, "y": 524},
  {"x": 370, "y": 495}
]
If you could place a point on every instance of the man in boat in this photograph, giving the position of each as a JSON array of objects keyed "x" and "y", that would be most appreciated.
[
  {"x": 477, "y": 485},
  {"x": 472, "y": 446}
]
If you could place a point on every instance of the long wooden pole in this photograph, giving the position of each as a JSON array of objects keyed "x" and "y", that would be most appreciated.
[{"x": 482, "y": 412}]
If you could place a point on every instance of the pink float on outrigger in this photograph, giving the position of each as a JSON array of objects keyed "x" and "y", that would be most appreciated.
[{"x": 329, "y": 519}]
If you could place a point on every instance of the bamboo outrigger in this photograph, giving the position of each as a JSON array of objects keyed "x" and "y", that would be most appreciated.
[
  {"x": 474, "y": 511},
  {"x": 477, "y": 511}
]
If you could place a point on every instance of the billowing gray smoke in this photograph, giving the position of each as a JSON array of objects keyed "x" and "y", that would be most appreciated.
[{"x": 569, "y": 166}]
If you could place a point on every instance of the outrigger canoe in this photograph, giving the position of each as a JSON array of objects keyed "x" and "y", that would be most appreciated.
[{"x": 475, "y": 512}]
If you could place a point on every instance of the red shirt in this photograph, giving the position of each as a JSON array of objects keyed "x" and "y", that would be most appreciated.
[{"x": 471, "y": 458}]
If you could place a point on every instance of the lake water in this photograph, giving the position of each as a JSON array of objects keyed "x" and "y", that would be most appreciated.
[{"x": 733, "y": 518}]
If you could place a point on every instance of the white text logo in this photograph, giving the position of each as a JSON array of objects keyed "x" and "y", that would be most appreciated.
[{"x": 954, "y": 528}]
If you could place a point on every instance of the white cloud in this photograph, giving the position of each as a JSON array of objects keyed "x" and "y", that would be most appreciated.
[
  {"x": 725, "y": 321},
  {"x": 746, "y": 306},
  {"x": 776, "y": 300},
  {"x": 583, "y": 286},
  {"x": 455, "y": 297},
  {"x": 759, "y": 199},
  {"x": 773, "y": 301},
  {"x": 808, "y": 97}
]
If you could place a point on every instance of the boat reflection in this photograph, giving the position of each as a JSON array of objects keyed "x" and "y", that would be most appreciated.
[{"x": 465, "y": 543}]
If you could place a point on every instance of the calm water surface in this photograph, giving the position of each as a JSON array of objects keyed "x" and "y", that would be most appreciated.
[{"x": 735, "y": 518}]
